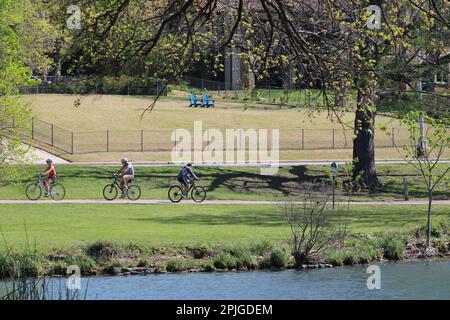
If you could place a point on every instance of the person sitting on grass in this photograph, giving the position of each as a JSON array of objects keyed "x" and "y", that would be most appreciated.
[
  {"x": 184, "y": 177},
  {"x": 126, "y": 173},
  {"x": 50, "y": 172}
]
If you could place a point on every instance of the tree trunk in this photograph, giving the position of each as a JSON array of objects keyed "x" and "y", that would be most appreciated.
[
  {"x": 430, "y": 197},
  {"x": 364, "y": 173},
  {"x": 300, "y": 258}
]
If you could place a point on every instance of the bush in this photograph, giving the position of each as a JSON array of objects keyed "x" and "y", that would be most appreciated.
[
  {"x": 224, "y": 261},
  {"x": 439, "y": 227},
  {"x": 278, "y": 258},
  {"x": 20, "y": 265},
  {"x": 208, "y": 265},
  {"x": 86, "y": 264},
  {"x": 335, "y": 259},
  {"x": 59, "y": 268},
  {"x": 200, "y": 250},
  {"x": 393, "y": 248},
  {"x": 104, "y": 250},
  {"x": 110, "y": 266},
  {"x": 357, "y": 251},
  {"x": 261, "y": 247},
  {"x": 242, "y": 257},
  {"x": 441, "y": 245},
  {"x": 178, "y": 264}
]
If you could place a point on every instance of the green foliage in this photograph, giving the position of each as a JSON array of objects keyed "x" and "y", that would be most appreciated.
[
  {"x": 439, "y": 227},
  {"x": 177, "y": 264},
  {"x": 241, "y": 257},
  {"x": 200, "y": 250},
  {"x": 442, "y": 245},
  {"x": 86, "y": 264},
  {"x": 15, "y": 41},
  {"x": 224, "y": 260},
  {"x": 111, "y": 265},
  {"x": 104, "y": 250},
  {"x": 18, "y": 264},
  {"x": 278, "y": 258},
  {"x": 393, "y": 247},
  {"x": 261, "y": 247}
]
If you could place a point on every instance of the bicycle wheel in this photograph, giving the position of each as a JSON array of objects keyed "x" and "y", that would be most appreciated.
[
  {"x": 110, "y": 192},
  {"x": 33, "y": 191},
  {"x": 57, "y": 191},
  {"x": 134, "y": 192},
  {"x": 175, "y": 194},
  {"x": 198, "y": 194}
]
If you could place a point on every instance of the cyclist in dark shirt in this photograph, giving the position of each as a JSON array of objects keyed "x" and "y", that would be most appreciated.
[{"x": 184, "y": 177}]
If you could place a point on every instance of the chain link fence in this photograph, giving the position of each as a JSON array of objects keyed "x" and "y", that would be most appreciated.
[{"x": 160, "y": 140}]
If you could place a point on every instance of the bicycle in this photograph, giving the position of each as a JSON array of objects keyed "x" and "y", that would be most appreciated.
[
  {"x": 33, "y": 191},
  {"x": 110, "y": 191},
  {"x": 198, "y": 193}
]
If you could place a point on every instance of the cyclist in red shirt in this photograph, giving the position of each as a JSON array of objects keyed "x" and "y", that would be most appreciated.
[{"x": 51, "y": 172}]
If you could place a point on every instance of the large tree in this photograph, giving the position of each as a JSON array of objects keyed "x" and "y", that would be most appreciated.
[
  {"x": 329, "y": 43},
  {"x": 24, "y": 41}
]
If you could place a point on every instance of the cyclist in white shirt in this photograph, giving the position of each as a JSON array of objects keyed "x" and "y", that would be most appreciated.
[{"x": 126, "y": 173}]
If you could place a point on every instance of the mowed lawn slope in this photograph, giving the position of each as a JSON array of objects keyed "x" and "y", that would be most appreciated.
[
  {"x": 63, "y": 225},
  {"x": 224, "y": 183},
  {"x": 124, "y": 113}
]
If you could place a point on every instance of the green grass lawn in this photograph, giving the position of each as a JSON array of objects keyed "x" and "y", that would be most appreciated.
[
  {"x": 62, "y": 225},
  {"x": 223, "y": 183}
]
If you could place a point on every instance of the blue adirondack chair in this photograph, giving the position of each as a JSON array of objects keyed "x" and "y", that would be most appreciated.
[
  {"x": 193, "y": 101},
  {"x": 206, "y": 102}
]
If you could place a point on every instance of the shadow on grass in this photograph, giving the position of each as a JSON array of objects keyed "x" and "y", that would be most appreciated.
[
  {"x": 241, "y": 180},
  {"x": 238, "y": 181},
  {"x": 270, "y": 218}
]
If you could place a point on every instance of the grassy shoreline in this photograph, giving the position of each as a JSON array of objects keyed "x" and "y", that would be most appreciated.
[{"x": 113, "y": 258}]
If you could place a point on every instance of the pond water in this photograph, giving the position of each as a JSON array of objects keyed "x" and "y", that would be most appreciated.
[{"x": 418, "y": 280}]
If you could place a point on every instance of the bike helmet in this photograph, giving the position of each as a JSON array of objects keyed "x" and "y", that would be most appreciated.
[
  {"x": 124, "y": 160},
  {"x": 49, "y": 161}
]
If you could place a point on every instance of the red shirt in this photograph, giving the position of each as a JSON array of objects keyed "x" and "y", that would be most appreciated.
[{"x": 52, "y": 172}]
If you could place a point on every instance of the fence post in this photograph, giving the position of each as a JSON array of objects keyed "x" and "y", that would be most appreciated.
[
  {"x": 393, "y": 137},
  {"x": 333, "y": 138},
  {"x": 52, "y": 133},
  {"x": 175, "y": 140},
  {"x": 142, "y": 140},
  {"x": 303, "y": 139},
  {"x": 72, "y": 141},
  {"x": 32, "y": 128},
  {"x": 107, "y": 140}
]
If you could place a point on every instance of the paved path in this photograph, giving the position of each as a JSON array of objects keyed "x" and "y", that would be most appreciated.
[
  {"x": 38, "y": 156},
  {"x": 211, "y": 202},
  {"x": 225, "y": 164}
]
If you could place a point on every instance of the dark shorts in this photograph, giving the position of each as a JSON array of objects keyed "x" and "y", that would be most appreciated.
[
  {"x": 183, "y": 180},
  {"x": 52, "y": 179}
]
